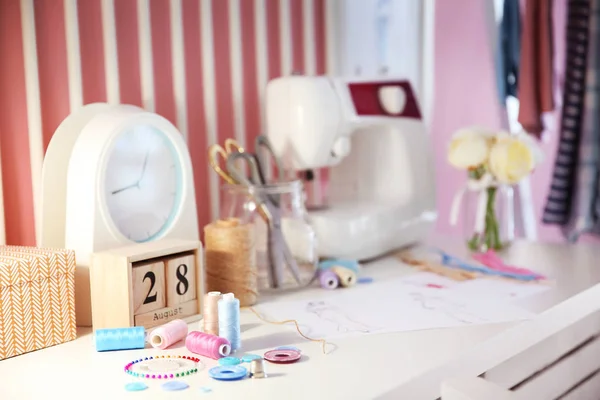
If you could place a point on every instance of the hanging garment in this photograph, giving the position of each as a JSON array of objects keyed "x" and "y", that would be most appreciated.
[
  {"x": 574, "y": 186},
  {"x": 536, "y": 68},
  {"x": 583, "y": 213},
  {"x": 509, "y": 50}
]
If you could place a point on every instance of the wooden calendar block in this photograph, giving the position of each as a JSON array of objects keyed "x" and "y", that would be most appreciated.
[
  {"x": 148, "y": 287},
  {"x": 181, "y": 279},
  {"x": 124, "y": 278}
]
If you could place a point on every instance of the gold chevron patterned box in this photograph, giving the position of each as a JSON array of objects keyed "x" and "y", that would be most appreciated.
[{"x": 37, "y": 299}]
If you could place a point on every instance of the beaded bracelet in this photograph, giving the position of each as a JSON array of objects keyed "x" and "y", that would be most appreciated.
[{"x": 163, "y": 376}]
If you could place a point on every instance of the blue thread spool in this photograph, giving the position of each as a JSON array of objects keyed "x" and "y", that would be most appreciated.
[
  {"x": 229, "y": 320},
  {"x": 120, "y": 339}
]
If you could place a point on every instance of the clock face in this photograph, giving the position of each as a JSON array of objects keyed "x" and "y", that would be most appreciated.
[{"x": 143, "y": 183}]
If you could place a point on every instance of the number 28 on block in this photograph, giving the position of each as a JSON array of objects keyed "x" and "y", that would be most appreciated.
[{"x": 164, "y": 283}]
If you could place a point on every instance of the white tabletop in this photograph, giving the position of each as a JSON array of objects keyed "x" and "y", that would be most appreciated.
[{"x": 360, "y": 368}]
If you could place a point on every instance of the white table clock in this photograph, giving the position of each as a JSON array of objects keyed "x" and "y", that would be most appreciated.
[
  {"x": 51, "y": 226},
  {"x": 129, "y": 180}
]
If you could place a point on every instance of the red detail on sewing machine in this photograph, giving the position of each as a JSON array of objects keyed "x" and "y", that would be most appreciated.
[{"x": 365, "y": 96}]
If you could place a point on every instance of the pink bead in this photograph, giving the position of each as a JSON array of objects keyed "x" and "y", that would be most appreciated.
[
  {"x": 170, "y": 376},
  {"x": 153, "y": 376}
]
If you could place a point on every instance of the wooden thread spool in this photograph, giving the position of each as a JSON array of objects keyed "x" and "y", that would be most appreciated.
[
  {"x": 347, "y": 276},
  {"x": 231, "y": 259}
]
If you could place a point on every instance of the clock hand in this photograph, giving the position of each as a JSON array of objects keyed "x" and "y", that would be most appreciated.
[
  {"x": 125, "y": 188},
  {"x": 144, "y": 166},
  {"x": 137, "y": 184}
]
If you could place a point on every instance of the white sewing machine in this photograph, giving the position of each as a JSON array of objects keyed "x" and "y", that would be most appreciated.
[{"x": 381, "y": 192}]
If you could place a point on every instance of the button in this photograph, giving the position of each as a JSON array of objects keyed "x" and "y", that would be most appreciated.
[{"x": 392, "y": 99}]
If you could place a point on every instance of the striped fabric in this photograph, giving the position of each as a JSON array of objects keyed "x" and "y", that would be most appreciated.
[
  {"x": 202, "y": 64},
  {"x": 583, "y": 215},
  {"x": 558, "y": 204}
]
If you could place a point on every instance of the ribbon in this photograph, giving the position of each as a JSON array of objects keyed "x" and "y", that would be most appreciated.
[
  {"x": 473, "y": 185},
  {"x": 504, "y": 272},
  {"x": 491, "y": 260}
]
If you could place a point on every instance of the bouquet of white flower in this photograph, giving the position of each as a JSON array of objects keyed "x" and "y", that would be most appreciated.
[{"x": 491, "y": 159}]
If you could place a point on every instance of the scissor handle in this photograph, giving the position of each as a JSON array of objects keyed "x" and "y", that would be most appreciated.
[
  {"x": 240, "y": 176},
  {"x": 241, "y": 179},
  {"x": 214, "y": 152},
  {"x": 232, "y": 143},
  {"x": 263, "y": 141}
]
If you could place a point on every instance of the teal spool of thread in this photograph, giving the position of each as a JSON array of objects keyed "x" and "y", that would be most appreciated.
[
  {"x": 120, "y": 339},
  {"x": 352, "y": 265},
  {"x": 229, "y": 320}
]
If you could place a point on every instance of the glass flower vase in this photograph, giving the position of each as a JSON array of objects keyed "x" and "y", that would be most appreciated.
[{"x": 489, "y": 218}]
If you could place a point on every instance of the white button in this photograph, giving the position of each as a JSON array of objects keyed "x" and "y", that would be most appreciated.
[
  {"x": 341, "y": 147},
  {"x": 392, "y": 99}
]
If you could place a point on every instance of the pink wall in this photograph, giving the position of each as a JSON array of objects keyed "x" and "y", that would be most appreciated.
[
  {"x": 465, "y": 94},
  {"x": 465, "y": 91}
]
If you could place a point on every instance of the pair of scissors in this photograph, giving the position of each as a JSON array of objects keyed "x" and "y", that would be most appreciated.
[
  {"x": 279, "y": 252},
  {"x": 232, "y": 146}
]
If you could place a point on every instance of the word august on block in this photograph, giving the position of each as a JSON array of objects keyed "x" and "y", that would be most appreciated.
[
  {"x": 168, "y": 314},
  {"x": 147, "y": 284}
]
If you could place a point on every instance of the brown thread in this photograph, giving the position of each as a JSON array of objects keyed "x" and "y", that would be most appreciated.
[
  {"x": 287, "y": 321},
  {"x": 231, "y": 259}
]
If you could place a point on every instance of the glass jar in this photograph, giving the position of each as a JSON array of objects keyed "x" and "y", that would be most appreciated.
[
  {"x": 495, "y": 206},
  {"x": 238, "y": 201}
]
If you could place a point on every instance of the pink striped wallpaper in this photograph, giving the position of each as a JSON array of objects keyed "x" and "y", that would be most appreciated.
[{"x": 209, "y": 83}]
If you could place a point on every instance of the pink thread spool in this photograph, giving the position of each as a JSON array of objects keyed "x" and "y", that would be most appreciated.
[
  {"x": 168, "y": 334},
  {"x": 207, "y": 345}
]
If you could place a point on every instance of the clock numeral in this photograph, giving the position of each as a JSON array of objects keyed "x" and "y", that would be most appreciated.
[
  {"x": 150, "y": 298},
  {"x": 183, "y": 284}
]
